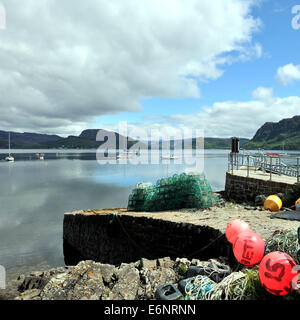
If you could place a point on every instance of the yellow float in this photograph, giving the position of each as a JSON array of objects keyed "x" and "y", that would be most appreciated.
[{"x": 273, "y": 203}]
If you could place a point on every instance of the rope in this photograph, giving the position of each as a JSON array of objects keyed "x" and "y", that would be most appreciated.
[
  {"x": 128, "y": 236},
  {"x": 207, "y": 246},
  {"x": 197, "y": 288},
  {"x": 232, "y": 287},
  {"x": 115, "y": 215},
  {"x": 285, "y": 241}
]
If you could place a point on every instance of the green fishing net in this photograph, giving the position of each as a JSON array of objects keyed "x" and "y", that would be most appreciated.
[{"x": 176, "y": 192}]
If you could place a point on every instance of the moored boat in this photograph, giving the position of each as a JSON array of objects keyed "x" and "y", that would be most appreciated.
[{"x": 9, "y": 158}]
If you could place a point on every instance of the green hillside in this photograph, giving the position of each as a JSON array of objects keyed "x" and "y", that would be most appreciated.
[{"x": 284, "y": 134}]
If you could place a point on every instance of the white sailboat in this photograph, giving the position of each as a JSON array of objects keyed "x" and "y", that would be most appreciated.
[
  {"x": 10, "y": 158},
  {"x": 39, "y": 156},
  {"x": 283, "y": 153}
]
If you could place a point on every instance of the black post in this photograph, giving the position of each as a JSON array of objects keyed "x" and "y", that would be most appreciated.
[
  {"x": 297, "y": 170},
  {"x": 247, "y": 166},
  {"x": 271, "y": 168},
  {"x": 235, "y": 150}
]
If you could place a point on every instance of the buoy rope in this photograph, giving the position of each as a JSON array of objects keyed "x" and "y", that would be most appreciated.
[
  {"x": 285, "y": 241},
  {"x": 207, "y": 246},
  {"x": 129, "y": 237},
  {"x": 232, "y": 287}
]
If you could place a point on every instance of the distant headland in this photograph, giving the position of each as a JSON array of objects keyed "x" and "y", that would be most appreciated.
[{"x": 282, "y": 135}]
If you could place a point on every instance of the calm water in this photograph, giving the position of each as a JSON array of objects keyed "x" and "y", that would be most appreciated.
[{"x": 35, "y": 194}]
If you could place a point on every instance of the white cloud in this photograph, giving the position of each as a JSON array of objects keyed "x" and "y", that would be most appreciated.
[
  {"x": 229, "y": 118},
  {"x": 263, "y": 94},
  {"x": 64, "y": 63},
  {"x": 288, "y": 73}
]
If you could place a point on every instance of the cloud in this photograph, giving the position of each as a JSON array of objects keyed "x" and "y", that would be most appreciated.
[
  {"x": 263, "y": 94},
  {"x": 227, "y": 118},
  {"x": 64, "y": 63},
  {"x": 288, "y": 73}
]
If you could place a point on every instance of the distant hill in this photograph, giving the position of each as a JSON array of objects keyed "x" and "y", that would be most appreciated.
[
  {"x": 284, "y": 134},
  {"x": 218, "y": 143},
  {"x": 87, "y": 140},
  {"x": 209, "y": 143},
  {"x": 26, "y": 140}
]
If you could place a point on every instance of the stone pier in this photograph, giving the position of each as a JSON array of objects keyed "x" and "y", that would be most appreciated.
[
  {"x": 241, "y": 187},
  {"x": 115, "y": 235}
]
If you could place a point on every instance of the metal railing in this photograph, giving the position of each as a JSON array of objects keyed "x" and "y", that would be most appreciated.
[{"x": 267, "y": 163}]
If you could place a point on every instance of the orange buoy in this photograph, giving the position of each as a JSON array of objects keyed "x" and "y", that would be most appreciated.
[
  {"x": 297, "y": 204},
  {"x": 273, "y": 203}
]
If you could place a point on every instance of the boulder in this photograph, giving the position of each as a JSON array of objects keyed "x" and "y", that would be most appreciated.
[
  {"x": 260, "y": 200},
  {"x": 128, "y": 281}
]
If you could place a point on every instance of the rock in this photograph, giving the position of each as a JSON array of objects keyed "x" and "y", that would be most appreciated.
[
  {"x": 260, "y": 200},
  {"x": 11, "y": 290},
  {"x": 183, "y": 260},
  {"x": 90, "y": 280},
  {"x": 33, "y": 294},
  {"x": 37, "y": 274},
  {"x": 280, "y": 195},
  {"x": 33, "y": 282},
  {"x": 195, "y": 262},
  {"x": 165, "y": 262},
  {"x": 199, "y": 263},
  {"x": 148, "y": 264},
  {"x": 181, "y": 266},
  {"x": 108, "y": 273},
  {"x": 21, "y": 277},
  {"x": 152, "y": 279},
  {"x": 85, "y": 282},
  {"x": 128, "y": 283}
]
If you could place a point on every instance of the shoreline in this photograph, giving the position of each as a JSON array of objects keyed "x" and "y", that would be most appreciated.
[{"x": 257, "y": 217}]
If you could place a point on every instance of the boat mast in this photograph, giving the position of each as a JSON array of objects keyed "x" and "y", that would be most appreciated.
[{"x": 9, "y": 143}]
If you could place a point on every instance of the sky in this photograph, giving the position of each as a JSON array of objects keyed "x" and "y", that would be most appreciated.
[{"x": 225, "y": 66}]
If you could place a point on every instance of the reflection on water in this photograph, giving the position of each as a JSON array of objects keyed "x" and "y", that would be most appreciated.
[{"x": 35, "y": 194}]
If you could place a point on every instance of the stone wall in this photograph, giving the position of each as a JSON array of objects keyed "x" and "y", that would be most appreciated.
[
  {"x": 246, "y": 189},
  {"x": 112, "y": 239}
]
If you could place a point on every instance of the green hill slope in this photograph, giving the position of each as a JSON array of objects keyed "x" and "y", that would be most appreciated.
[{"x": 284, "y": 134}]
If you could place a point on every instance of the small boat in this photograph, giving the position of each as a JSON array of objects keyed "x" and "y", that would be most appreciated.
[
  {"x": 283, "y": 153},
  {"x": 39, "y": 156},
  {"x": 9, "y": 158},
  {"x": 125, "y": 155}
]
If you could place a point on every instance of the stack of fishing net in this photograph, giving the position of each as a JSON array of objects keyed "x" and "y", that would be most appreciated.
[
  {"x": 285, "y": 241},
  {"x": 140, "y": 196},
  {"x": 176, "y": 192},
  {"x": 242, "y": 285}
]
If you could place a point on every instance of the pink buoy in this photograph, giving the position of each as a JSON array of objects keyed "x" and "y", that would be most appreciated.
[
  {"x": 234, "y": 228},
  {"x": 248, "y": 248}
]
